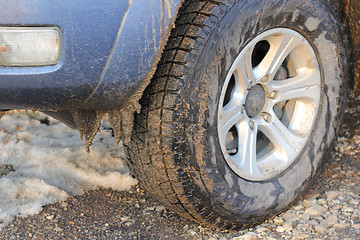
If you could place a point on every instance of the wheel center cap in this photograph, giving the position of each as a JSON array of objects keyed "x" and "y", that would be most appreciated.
[{"x": 255, "y": 100}]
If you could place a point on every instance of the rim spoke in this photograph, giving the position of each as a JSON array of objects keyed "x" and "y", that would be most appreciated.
[
  {"x": 246, "y": 155},
  {"x": 307, "y": 86},
  {"x": 245, "y": 70},
  {"x": 280, "y": 48},
  {"x": 229, "y": 116},
  {"x": 283, "y": 139}
]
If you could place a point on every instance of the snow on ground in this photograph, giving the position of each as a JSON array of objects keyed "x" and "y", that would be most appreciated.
[{"x": 42, "y": 164}]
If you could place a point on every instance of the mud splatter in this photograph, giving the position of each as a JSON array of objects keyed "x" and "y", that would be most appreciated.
[
  {"x": 88, "y": 123},
  {"x": 121, "y": 119}
]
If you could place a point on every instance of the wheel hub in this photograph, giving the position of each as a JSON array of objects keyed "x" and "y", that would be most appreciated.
[
  {"x": 263, "y": 129},
  {"x": 255, "y": 100}
]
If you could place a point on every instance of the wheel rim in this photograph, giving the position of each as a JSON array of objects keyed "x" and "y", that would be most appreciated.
[{"x": 268, "y": 104}]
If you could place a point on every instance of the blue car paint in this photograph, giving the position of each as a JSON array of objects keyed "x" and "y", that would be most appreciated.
[
  {"x": 108, "y": 48},
  {"x": 143, "y": 31}
]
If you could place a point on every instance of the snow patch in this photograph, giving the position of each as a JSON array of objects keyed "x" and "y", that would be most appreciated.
[{"x": 50, "y": 164}]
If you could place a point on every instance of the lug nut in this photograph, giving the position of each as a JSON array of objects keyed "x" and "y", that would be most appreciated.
[
  {"x": 265, "y": 78},
  {"x": 232, "y": 151},
  {"x": 251, "y": 124},
  {"x": 274, "y": 95},
  {"x": 267, "y": 117}
]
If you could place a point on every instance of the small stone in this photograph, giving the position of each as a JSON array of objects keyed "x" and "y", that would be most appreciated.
[
  {"x": 289, "y": 217},
  {"x": 151, "y": 209},
  {"x": 312, "y": 222},
  {"x": 160, "y": 208},
  {"x": 316, "y": 209},
  {"x": 321, "y": 229},
  {"x": 356, "y": 226},
  {"x": 64, "y": 204},
  {"x": 303, "y": 226},
  {"x": 331, "y": 220},
  {"x": 348, "y": 210},
  {"x": 50, "y": 217},
  {"x": 202, "y": 229},
  {"x": 305, "y": 217},
  {"x": 247, "y": 236},
  {"x": 306, "y": 203},
  {"x": 57, "y": 229},
  {"x": 341, "y": 225},
  {"x": 337, "y": 207},
  {"x": 278, "y": 220},
  {"x": 262, "y": 229},
  {"x": 129, "y": 223},
  {"x": 298, "y": 207},
  {"x": 356, "y": 213},
  {"x": 321, "y": 201},
  {"x": 280, "y": 229},
  {"x": 125, "y": 218},
  {"x": 305, "y": 236},
  {"x": 287, "y": 227},
  {"x": 191, "y": 232}
]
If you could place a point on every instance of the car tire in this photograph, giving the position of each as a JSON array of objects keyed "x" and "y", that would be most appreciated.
[{"x": 244, "y": 105}]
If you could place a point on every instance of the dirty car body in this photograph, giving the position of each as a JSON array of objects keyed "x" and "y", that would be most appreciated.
[{"x": 107, "y": 50}]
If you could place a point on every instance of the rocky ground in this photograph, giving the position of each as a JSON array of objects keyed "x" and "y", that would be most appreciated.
[{"x": 329, "y": 211}]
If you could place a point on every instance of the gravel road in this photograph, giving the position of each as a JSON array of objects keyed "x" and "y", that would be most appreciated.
[{"x": 330, "y": 210}]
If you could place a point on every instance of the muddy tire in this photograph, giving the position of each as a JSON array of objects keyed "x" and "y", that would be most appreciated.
[{"x": 234, "y": 168}]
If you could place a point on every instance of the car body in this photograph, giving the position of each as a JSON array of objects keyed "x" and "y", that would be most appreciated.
[{"x": 107, "y": 51}]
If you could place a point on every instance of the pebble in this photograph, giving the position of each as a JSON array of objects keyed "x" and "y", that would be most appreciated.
[
  {"x": 330, "y": 220},
  {"x": 356, "y": 213},
  {"x": 247, "y": 236},
  {"x": 321, "y": 229},
  {"x": 348, "y": 210},
  {"x": 125, "y": 218},
  {"x": 356, "y": 226},
  {"x": 191, "y": 232},
  {"x": 262, "y": 229},
  {"x": 287, "y": 227},
  {"x": 306, "y": 203},
  {"x": 298, "y": 207},
  {"x": 289, "y": 216},
  {"x": 322, "y": 202},
  {"x": 278, "y": 220},
  {"x": 160, "y": 208},
  {"x": 316, "y": 209},
  {"x": 280, "y": 229},
  {"x": 341, "y": 225},
  {"x": 64, "y": 204}
]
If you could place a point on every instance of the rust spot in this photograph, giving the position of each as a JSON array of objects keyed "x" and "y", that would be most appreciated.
[{"x": 3, "y": 49}]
